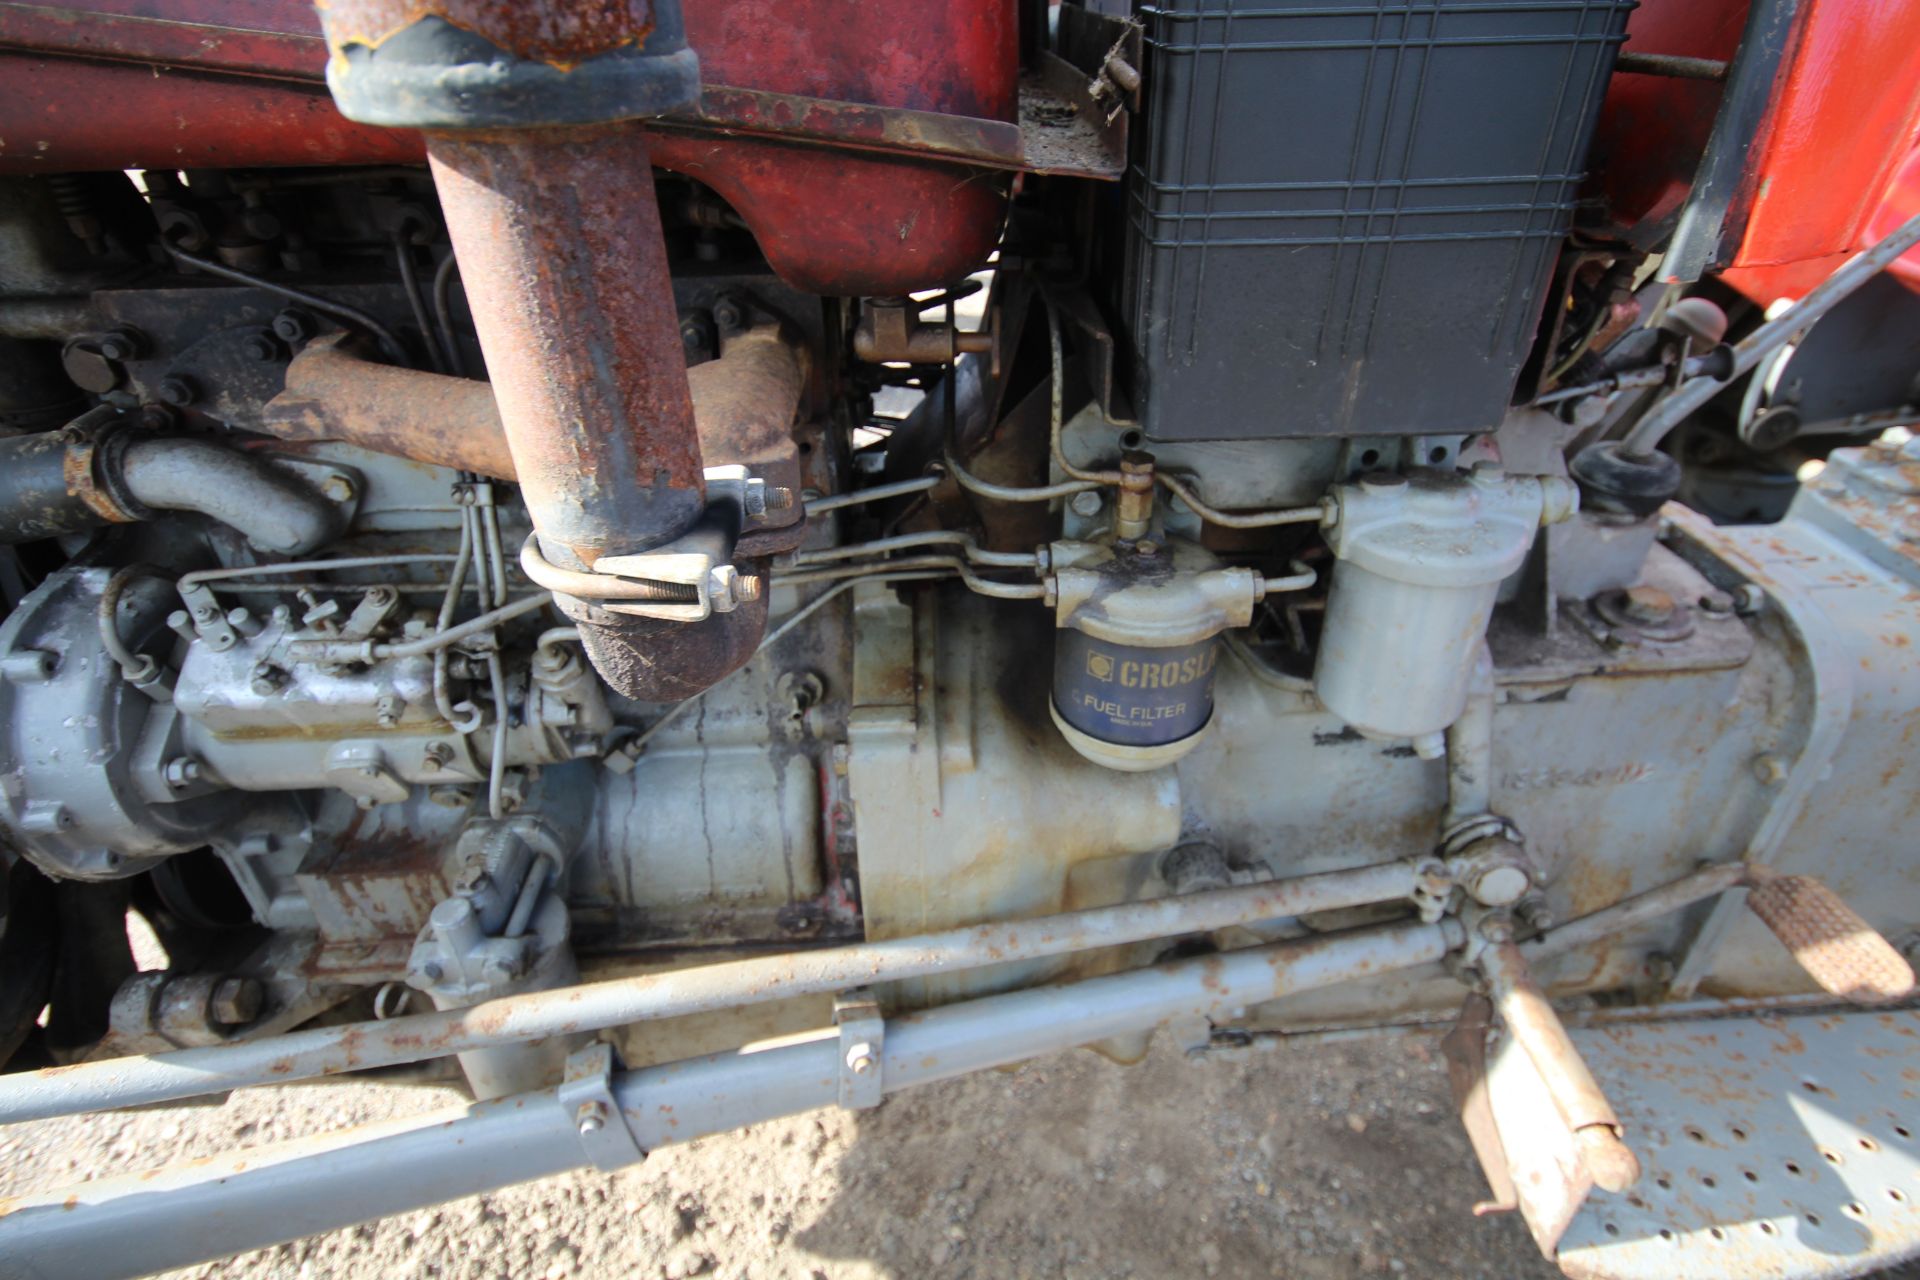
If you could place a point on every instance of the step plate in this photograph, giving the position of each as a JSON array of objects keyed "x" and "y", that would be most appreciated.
[{"x": 1777, "y": 1147}]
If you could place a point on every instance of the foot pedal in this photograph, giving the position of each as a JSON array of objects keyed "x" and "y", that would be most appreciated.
[{"x": 1839, "y": 950}]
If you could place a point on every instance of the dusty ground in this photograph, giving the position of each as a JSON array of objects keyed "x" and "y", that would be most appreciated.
[{"x": 1329, "y": 1160}]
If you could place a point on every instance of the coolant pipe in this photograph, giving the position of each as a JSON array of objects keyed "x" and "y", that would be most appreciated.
[
  {"x": 68, "y": 481},
  {"x": 324, "y": 1051},
  {"x": 177, "y": 1216}
]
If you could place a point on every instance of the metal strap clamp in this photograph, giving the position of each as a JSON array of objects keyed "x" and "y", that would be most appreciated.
[
  {"x": 863, "y": 1034},
  {"x": 586, "y": 1094}
]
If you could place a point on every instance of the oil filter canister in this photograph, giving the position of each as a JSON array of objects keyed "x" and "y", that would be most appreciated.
[{"x": 1134, "y": 660}]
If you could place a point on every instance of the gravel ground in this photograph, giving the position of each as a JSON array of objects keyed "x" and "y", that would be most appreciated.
[{"x": 1306, "y": 1161}]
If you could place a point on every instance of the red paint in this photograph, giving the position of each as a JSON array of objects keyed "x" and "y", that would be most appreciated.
[
  {"x": 59, "y": 115},
  {"x": 1902, "y": 202},
  {"x": 1653, "y": 128},
  {"x": 830, "y": 221},
  {"x": 1845, "y": 117}
]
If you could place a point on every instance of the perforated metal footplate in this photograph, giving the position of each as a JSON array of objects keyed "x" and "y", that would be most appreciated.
[{"x": 1777, "y": 1147}]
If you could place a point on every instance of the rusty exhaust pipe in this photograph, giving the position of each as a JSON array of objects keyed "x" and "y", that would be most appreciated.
[{"x": 550, "y": 205}]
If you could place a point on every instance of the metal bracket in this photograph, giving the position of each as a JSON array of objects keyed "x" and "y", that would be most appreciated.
[
  {"x": 700, "y": 559},
  {"x": 586, "y": 1094},
  {"x": 863, "y": 1034}
]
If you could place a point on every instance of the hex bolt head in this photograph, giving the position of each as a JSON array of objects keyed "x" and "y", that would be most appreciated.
[
  {"x": 728, "y": 316},
  {"x": 1087, "y": 504},
  {"x": 590, "y": 1117},
  {"x": 182, "y": 772},
  {"x": 1647, "y": 605},
  {"x": 122, "y": 344},
  {"x": 177, "y": 391},
  {"x": 860, "y": 1059},
  {"x": 338, "y": 488},
  {"x": 293, "y": 325},
  {"x": 260, "y": 347},
  {"x": 437, "y": 756},
  {"x": 236, "y": 1001}
]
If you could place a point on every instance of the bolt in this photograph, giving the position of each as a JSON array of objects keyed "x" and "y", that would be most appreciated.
[
  {"x": 178, "y": 392},
  {"x": 236, "y": 1001},
  {"x": 1647, "y": 605},
  {"x": 268, "y": 679},
  {"x": 728, "y": 316},
  {"x": 388, "y": 709},
  {"x": 779, "y": 497},
  {"x": 437, "y": 756},
  {"x": 860, "y": 1059},
  {"x": 1748, "y": 600},
  {"x": 260, "y": 347},
  {"x": 182, "y": 772},
  {"x": 1716, "y": 602},
  {"x": 293, "y": 326},
  {"x": 1770, "y": 769},
  {"x": 122, "y": 344},
  {"x": 1086, "y": 505},
  {"x": 338, "y": 488},
  {"x": 591, "y": 1117},
  {"x": 1535, "y": 913}
]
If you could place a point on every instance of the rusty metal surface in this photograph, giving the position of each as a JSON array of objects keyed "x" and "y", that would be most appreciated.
[
  {"x": 1577, "y": 1098},
  {"x": 1838, "y": 949},
  {"x": 1465, "y": 1049},
  {"x": 1773, "y": 1147},
  {"x": 743, "y": 408},
  {"x": 560, "y": 35},
  {"x": 332, "y": 394},
  {"x": 566, "y": 269},
  {"x": 512, "y": 1019},
  {"x": 668, "y": 659}
]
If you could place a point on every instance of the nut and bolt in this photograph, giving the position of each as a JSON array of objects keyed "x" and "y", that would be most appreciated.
[
  {"x": 388, "y": 708},
  {"x": 260, "y": 346},
  {"x": 122, "y": 344},
  {"x": 338, "y": 488},
  {"x": 861, "y": 1060},
  {"x": 236, "y": 1001},
  {"x": 728, "y": 316},
  {"x": 293, "y": 326},
  {"x": 177, "y": 391},
  {"x": 182, "y": 772},
  {"x": 1087, "y": 504},
  {"x": 1646, "y": 605},
  {"x": 1748, "y": 600},
  {"x": 591, "y": 1117},
  {"x": 267, "y": 679},
  {"x": 437, "y": 756},
  {"x": 1770, "y": 769}
]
